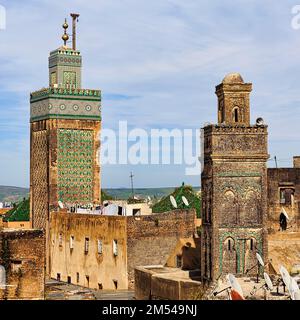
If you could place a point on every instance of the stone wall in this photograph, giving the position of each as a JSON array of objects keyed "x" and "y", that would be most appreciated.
[
  {"x": 161, "y": 283},
  {"x": 151, "y": 239},
  {"x": 23, "y": 257},
  {"x": 93, "y": 268}
]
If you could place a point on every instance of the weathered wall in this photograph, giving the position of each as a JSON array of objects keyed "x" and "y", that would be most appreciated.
[
  {"x": 151, "y": 239},
  {"x": 283, "y": 179},
  {"x": 189, "y": 250},
  {"x": 23, "y": 256},
  {"x": 17, "y": 224},
  {"x": 102, "y": 269},
  {"x": 160, "y": 283}
]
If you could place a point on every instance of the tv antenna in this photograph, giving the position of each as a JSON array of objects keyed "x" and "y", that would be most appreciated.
[
  {"x": 131, "y": 178},
  {"x": 275, "y": 158}
]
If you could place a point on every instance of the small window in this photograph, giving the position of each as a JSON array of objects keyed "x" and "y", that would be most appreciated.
[
  {"x": 251, "y": 244},
  {"x": 86, "y": 245},
  {"x": 72, "y": 242},
  {"x": 115, "y": 284},
  {"x": 229, "y": 245},
  {"x": 69, "y": 280},
  {"x": 115, "y": 247},
  {"x": 87, "y": 280},
  {"x": 16, "y": 265},
  {"x": 99, "y": 246},
  {"x": 100, "y": 286},
  {"x": 58, "y": 276},
  {"x": 236, "y": 114},
  {"x": 136, "y": 212},
  {"x": 60, "y": 240},
  {"x": 77, "y": 277}
]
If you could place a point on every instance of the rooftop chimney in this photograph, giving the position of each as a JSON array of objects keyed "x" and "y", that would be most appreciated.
[{"x": 296, "y": 161}]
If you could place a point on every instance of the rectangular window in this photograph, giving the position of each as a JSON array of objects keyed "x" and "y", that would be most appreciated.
[
  {"x": 53, "y": 78},
  {"x": 72, "y": 242},
  {"x": 60, "y": 240},
  {"x": 99, "y": 246},
  {"x": 86, "y": 245},
  {"x": 115, "y": 247},
  {"x": 77, "y": 277}
]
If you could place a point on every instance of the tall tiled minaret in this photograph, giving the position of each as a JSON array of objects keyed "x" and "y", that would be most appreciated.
[{"x": 65, "y": 122}]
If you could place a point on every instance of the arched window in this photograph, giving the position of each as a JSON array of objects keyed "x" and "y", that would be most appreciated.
[
  {"x": 229, "y": 245},
  {"x": 236, "y": 114},
  {"x": 229, "y": 256},
  {"x": 251, "y": 244}
]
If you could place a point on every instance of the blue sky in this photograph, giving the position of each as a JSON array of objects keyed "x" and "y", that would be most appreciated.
[{"x": 157, "y": 63}]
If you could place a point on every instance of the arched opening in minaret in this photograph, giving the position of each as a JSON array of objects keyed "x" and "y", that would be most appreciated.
[{"x": 236, "y": 114}]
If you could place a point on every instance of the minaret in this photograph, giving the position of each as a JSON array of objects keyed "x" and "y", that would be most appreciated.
[
  {"x": 234, "y": 185},
  {"x": 65, "y": 122}
]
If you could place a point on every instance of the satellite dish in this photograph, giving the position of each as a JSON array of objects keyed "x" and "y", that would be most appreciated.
[
  {"x": 111, "y": 210},
  {"x": 185, "y": 200},
  {"x": 285, "y": 213},
  {"x": 173, "y": 201},
  {"x": 235, "y": 286},
  {"x": 295, "y": 296},
  {"x": 260, "y": 121},
  {"x": 260, "y": 260},
  {"x": 268, "y": 281},
  {"x": 2, "y": 277},
  {"x": 105, "y": 202},
  {"x": 294, "y": 289},
  {"x": 60, "y": 204},
  {"x": 285, "y": 276}
]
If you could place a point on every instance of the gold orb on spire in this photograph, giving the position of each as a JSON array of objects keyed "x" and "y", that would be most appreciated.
[
  {"x": 65, "y": 36},
  {"x": 65, "y": 25}
]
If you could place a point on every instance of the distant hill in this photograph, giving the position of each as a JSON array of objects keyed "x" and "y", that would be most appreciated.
[
  {"x": 16, "y": 194},
  {"x": 123, "y": 193},
  {"x": 13, "y": 194}
]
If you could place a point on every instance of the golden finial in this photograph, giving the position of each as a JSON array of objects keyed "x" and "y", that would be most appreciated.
[{"x": 65, "y": 36}]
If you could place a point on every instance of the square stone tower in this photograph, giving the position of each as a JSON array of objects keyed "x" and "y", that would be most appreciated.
[
  {"x": 65, "y": 122},
  {"x": 234, "y": 185}
]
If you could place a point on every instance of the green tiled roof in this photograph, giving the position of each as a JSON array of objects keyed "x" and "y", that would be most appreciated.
[
  {"x": 194, "y": 200},
  {"x": 21, "y": 212}
]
